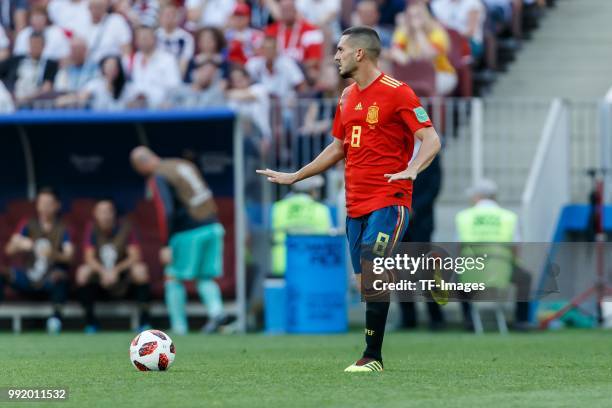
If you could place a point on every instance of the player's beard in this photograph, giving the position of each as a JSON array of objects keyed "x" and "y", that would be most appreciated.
[{"x": 349, "y": 70}]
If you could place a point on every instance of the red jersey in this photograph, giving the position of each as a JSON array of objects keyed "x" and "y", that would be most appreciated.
[
  {"x": 377, "y": 125},
  {"x": 302, "y": 42}
]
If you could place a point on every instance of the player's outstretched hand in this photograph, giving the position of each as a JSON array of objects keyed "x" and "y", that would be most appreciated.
[
  {"x": 408, "y": 174},
  {"x": 278, "y": 177}
]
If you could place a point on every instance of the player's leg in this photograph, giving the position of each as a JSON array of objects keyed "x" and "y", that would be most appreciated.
[
  {"x": 4, "y": 279},
  {"x": 139, "y": 277},
  {"x": 383, "y": 231},
  {"x": 57, "y": 286},
  {"x": 174, "y": 290},
  {"x": 87, "y": 288},
  {"x": 354, "y": 233},
  {"x": 211, "y": 267}
]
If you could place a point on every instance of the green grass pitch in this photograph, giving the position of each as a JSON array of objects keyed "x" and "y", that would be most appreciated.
[{"x": 560, "y": 369}]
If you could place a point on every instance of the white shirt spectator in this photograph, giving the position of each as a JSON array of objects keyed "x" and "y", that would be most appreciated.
[
  {"x": 71, "y": 15},
  {"x": 178, "y": 43},
  {"x": 57, "y": 45},
  {"x": 318, "y": 11},
  {"x": 4, "y": 41},
  {"x": 6, "y": 101},
  {"x": 215, "y": 12},
  {"x": 108, "y": 36},
  {"x": 155, "y": 77},
  {"x": 258, "y": 110},
  {"x": 101, "y": 97},
  {"x": 455, "y": 14},
  {"x": 281, "y": 82}
]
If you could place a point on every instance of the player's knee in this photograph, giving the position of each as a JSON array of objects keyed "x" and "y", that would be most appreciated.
[
  {"x": 83, "y": 275},
  {"x": 139, "y": 273}
]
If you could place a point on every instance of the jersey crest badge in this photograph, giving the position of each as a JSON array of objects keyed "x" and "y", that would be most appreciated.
[{"x": 372, "y": 117}]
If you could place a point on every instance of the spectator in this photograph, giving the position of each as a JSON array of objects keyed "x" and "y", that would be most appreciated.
[
  {"x": 109, "y": 33},
  {"x": 209, "y": 13},
  {"x": 5, "y": 50},
  {"x": 206, "y": 89},
  {"x": 420, "y": 37},
  {"x": 72, "y": 16},
  {"x": 154, "y": 72},
  {"x": 13, "y": 15},
  {"x": 322, "y": 13},
  {"x": 110, "y": 91},
  {"x": 243, "y": 41},
  {"x": 261, "y": 13},
  {"x": 367, "y": 14},
  {"x": 45, "y": 244},
  {"x": 251, "y": 100},
  {"x": 113, "y": 264},
  {"x": 6, "y": 104},
  {"x": 211, "y": 46},
  {"x": 389, "y": 9},
  {"x": 279, "y": 74},
  {"x": 29, "y": 76},
  {"x": 194, "y": 237},
  {"x": 57, "y": 46},
  {"x": 139, "y": 12},
  {"x": 296, "y": 38},
  {"x": 77, "y": 70},
  {"x": 318, "y": 115},
  {"x": 464, "y": 16},
  {"x": 173, "y": 39}
]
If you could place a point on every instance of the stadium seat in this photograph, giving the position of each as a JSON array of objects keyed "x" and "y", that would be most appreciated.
[
  {"x": 461, "y": 59},
  {"x": 420, "y": 75},
  {"x": 18, "y": 210}
]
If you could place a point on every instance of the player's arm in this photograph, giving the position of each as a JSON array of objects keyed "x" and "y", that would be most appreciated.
[
  {"x": 133, "y": 256},
  {"x": 89, "y": 256},
  {"x": 332, "y": 154},
  {"x": 430, "y": 146},
  {"x": 66, "y": 251},
  {"x": 19, "y": 242}
]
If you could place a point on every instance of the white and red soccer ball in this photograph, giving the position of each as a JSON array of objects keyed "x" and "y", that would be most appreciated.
[{"x": 152, "y": 350}]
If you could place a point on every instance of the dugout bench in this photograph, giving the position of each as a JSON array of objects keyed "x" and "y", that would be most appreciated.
[{"x": 18, "y": 311}]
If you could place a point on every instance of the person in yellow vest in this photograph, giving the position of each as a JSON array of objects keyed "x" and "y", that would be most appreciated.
[
  {"x": 487, "y": 222},
  {"x": 299, "y": 212}
]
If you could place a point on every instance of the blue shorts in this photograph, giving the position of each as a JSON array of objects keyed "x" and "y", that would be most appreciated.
[{"x": 376, "y": 234}]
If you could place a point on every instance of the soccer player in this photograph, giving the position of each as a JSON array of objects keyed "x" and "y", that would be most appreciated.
[
  {"x": 44, "y": 242},
  {"x": 112, "y": 263},
  {"x": 377, "y": 120},
  {"x": 189, "y": 224}
]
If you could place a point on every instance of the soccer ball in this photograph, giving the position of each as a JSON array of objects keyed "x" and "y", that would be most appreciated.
[{"x": 152, "y": 350}]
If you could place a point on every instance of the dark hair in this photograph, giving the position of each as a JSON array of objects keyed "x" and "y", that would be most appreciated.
[
  {"x": 47, "y": 190},
  {"x": 217, "y": 34},
  {"x": 240, "y": 68},
  {"x": 119, "y": 82},
  {"x": 366, "y": 38},
  {"x": 37, "y": 34}
]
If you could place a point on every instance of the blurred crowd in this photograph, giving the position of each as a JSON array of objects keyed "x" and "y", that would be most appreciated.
[{"x": 121, "y": 54}]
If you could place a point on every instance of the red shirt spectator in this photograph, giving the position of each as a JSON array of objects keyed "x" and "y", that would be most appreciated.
[
  {"x": 242, "y": 40},
  {"x": 296, "y": 37}
]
